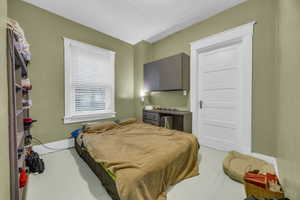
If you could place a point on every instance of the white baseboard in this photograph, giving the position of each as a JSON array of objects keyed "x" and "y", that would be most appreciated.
[
  {"x": 221, "y": 146},
  {"x": 268, "y": 159},
  {"x": 54, "y": 146},
  {"x": 217, "y": 144},
  {"x": 69, "y": 143}
]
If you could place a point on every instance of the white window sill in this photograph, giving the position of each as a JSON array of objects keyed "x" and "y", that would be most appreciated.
[{"x": 85, "y": 118}]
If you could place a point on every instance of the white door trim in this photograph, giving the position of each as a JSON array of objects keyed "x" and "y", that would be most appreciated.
[{"x": 242, "y": 34}]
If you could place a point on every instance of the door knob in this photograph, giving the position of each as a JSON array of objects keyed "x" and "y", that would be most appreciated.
[{"x": 201, "y": 104}]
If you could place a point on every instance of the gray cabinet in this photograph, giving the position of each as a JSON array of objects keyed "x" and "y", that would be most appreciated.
[{"x": 168, "y": 74}]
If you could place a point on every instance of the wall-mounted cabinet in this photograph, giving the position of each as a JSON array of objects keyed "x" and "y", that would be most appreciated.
[{"x": 168, "y": 74}]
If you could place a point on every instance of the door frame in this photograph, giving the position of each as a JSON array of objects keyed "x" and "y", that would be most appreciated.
[{"x": 242, "y": 34}]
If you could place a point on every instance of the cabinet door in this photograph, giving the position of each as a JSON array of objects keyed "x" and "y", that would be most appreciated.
[
  {"x": 167, "y": 74},
  {"x": 151, "y": 77},
  {"x": 170, "y": 73}
]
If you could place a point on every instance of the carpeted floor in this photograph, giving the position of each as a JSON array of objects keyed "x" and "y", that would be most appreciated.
[{"x": 67, "y": 177}]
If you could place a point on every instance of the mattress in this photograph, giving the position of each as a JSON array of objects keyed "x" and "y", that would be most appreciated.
[
  {"x": 140, "y": 161},
  {"x": 105, "y": 176}
]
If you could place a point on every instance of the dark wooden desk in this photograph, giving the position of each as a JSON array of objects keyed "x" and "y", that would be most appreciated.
[{"x": 182, "y": 120}]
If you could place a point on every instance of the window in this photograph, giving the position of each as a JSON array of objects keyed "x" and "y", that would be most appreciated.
[{"x": 89, "y": 82}]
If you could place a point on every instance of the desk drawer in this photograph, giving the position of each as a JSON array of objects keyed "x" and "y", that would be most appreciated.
[
  {"x": 151, "y": 116},
  {"x": 153, "y": 122}
]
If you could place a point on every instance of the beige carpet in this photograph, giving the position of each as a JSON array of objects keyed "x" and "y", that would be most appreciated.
[{"x": 67, "y": 177}]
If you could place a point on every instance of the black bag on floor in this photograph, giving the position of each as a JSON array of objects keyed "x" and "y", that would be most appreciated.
[
  {"x": 253, "y": 198},
  {"x": 35, "y": 163}
]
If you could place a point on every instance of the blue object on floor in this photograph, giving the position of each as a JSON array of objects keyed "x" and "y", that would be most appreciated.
[{"x": 76, "y": 132}]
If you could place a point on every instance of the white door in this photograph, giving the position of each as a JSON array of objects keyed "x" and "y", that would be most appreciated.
[
  {"x": 221, "y": 88},
  {"x": 219, "y": 96}
]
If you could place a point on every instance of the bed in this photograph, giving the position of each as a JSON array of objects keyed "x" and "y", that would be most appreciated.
[{"x": 139, "y": 161}]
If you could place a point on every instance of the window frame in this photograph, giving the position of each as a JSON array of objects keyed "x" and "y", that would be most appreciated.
[{"x": 69, "y": 116}]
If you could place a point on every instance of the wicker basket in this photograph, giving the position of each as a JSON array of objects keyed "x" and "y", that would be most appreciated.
[{"x": 258, "y": 192}]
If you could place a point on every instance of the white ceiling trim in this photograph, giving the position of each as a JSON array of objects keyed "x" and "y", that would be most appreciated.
[
  {"x": 188, "y": 23},
  {"x": 135, "y": 20}
]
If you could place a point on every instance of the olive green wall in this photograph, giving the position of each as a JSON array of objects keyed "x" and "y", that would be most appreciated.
[
  {"x": 4, "y": 154},
  {"x": 288, "y": 140},
  {"x": 142, "y": 54},
  {"x": 45, "y": 32},
  {"x": 263, "y": 12},
  {"x": 276, "y": 102}
]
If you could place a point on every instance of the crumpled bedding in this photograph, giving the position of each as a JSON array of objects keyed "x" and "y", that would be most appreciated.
[{"x": 145, "y": 159}]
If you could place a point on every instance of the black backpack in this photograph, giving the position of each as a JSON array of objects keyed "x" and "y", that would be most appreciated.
[{"x": 35, "y": 163}]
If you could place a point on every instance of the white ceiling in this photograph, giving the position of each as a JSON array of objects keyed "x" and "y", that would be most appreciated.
[{"x": 136, "y": 20}]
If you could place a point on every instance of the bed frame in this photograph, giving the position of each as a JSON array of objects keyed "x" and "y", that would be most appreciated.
[{"x": 108, "y": 183}]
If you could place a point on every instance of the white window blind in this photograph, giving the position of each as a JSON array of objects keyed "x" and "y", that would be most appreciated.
[{"x": 89, "y": 74}]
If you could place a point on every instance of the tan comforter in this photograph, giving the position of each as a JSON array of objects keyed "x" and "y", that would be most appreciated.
[{"x": 145, "y": 159}]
